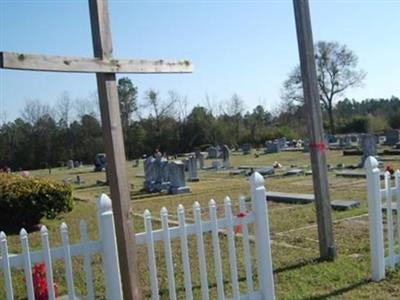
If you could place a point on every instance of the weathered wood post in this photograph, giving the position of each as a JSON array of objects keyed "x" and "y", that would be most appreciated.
[
  {"x": 375, "y": 222},
  {"x": 114, "y": 146},
  {"x": 327, "y": 246}
]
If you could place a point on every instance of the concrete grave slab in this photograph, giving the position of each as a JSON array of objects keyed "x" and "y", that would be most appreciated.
[
  {"x": 294, "y": 172},
  {"x": 344, "y": 204}
]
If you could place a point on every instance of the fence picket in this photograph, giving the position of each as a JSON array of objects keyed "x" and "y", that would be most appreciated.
[
  {"x": 200, "y": 251},
  {"x": 397, "y": 178},
  {"x": 185, "y": 253},
  {"x": 168, "y": 253},
  {"x": 47, "y": 261},
  {"x": 231, "y": 248},
  {"x": 67, "y": 261},
  {"x": 389, "y": 215},
  {"x": 246, "y": 246},
  {"x": 87, "y": 261},
  {"x": 216, "y": 249},
  {"x": 151, "y": 255},
  {"x": 6, "y": 266},
  {"x": 375, "y": 219},
  {"x": 23, "y": 235},
  {"x": 262, "y": 237}
]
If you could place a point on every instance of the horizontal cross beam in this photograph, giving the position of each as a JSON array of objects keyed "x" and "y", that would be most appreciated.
[{"x": 21, "y": 61}]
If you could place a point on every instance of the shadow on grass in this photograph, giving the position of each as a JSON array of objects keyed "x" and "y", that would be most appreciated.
[
  {"x": 340, "y": 291},
  {"x": 298, "y": 265},
  {"x": 165, "y": 292}
]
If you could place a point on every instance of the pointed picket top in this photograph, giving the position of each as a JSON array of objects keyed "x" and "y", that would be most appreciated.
[
  {"x": 44, "y": 230},
  {"x": 212, "y": 203},
  {"x": 256, "y": 180},
  {"x": 180, "y": 209},
  {"x": 22, "y": 233},
  {"x": 104, "y": 203},
  {"x": 371, "y": 163},
  {"x": 227, "y": 201},
  {"x": 2, "y": 236},
  {"x": 164, "y": 211},
  {"x": 147, "y": 214},
  {"x": 196, "y": 206},
  {"x": 63, "y": 227}
]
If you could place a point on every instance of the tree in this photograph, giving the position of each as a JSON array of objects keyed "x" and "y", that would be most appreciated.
[
  {"x": 159, "y": 109},
  {"x": 234, "y": 109},
  {"x": 127, "y": 95},
  {"x": 35, "y": 110},
  {"x": 337, "y": 72},
  {"x": 63, "y": 108}
]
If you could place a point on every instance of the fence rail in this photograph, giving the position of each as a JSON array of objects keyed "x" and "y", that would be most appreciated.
[{"x": 106, "y": 246}]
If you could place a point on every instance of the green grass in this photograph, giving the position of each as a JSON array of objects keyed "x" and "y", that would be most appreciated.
[{"x": 298, "y": 273}]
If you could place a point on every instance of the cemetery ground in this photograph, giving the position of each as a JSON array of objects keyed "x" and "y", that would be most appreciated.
[{"x": 298, "y": 273}]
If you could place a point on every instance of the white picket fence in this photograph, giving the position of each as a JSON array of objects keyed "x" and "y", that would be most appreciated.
[
  {"x": 106, "y": 245},
  {"x": 391, "y": 195}
]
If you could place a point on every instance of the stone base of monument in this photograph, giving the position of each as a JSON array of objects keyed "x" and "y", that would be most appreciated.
[
  {"x": 180, "y": 190},
  {"x": 164, "y": 186}
]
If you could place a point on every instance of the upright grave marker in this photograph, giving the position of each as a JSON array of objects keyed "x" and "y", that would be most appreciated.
[{"x": 106, "y": 67}]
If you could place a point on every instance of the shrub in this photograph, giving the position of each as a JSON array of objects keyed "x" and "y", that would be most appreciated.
[{"x": 24, "y": 201}]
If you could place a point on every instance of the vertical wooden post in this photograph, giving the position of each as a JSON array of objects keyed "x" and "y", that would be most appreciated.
[
  {"x": 317, "y": 146},
  {"x": 114, "y": 146}
]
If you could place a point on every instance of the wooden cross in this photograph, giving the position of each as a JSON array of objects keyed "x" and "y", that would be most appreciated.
[{"x": 105, "y": 67}]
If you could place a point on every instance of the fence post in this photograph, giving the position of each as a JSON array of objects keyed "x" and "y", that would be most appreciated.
[
  {"x": 263, "y": 245},
  {"x": 109, "y": 245},
  {"x": 375, "y": 219}
]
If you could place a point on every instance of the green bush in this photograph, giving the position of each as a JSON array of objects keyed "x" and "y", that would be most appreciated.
[{"x": 24, "y": 201}]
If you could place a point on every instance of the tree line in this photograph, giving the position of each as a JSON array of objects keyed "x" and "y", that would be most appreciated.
[{"x": 45, "y": 136}]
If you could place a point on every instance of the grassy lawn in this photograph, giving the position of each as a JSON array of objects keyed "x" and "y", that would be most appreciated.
[{"x": 298, "y": 273}]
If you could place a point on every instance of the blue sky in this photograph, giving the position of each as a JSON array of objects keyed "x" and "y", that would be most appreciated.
[{"x": 247, "y": 47}]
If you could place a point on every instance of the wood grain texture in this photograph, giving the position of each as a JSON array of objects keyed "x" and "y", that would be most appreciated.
[
  {"x": 316, "y": 134},
  {"x": 114, "y": 146},
  {"x": 23, "y": 61}
]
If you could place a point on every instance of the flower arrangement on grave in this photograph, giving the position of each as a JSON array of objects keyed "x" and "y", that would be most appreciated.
[
  {"x": 389, "y": 169},
  {"x": 40, "y": 283}
]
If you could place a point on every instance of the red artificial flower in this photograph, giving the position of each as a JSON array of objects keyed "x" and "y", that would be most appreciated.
[{"x": 40, "y": 283}]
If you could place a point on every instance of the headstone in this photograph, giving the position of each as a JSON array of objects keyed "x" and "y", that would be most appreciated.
[
  {"x": 368, "y": 146},
  {"x": 281, "y": 143},
  {"x": 192, "y": 169},
  {"x": 246, "y": 148},
  {"x": 306, "y": 146},
  {"x": 100, "y": 162},
  {"x": 225, "y": 157},
  {"x": 186, "y": 164},
  {"x": 392, "y": 137},
  {"x": 149, "y": 174},
  {"x": 70, "y": 164},
  {"x": 200, "y": 159},
  {"x": 161, "y": 174},
  {"x": 177, "y": 178},
  {"x": 344, "y": 204},
  {"x": 216, "y": 164},
  {"x": 212, "y": 152},
  {"x": 272, "y": 147},
  {"x": 294, "y": 172},
  {"x": 77, "y": 164},
  {"x": 265, "y": 171}
]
